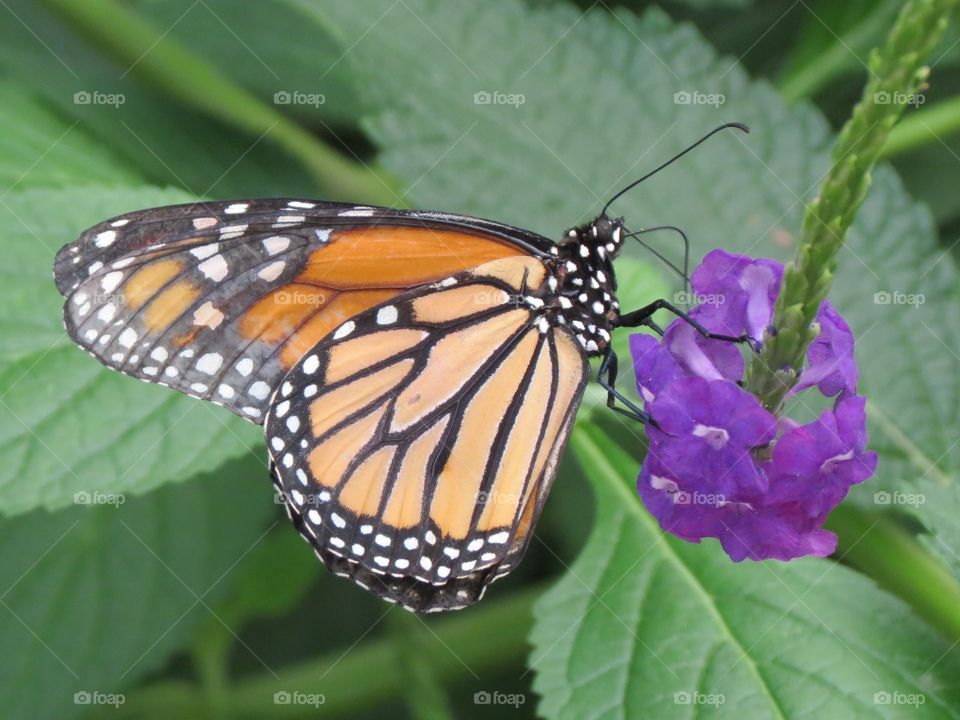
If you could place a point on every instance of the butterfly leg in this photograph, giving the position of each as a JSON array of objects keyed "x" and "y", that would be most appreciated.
[
  {"x": 643, "y": 315},
  {"x": 607, "y": 378}
]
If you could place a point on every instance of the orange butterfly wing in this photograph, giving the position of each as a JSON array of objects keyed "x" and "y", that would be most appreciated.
[
  {"x": 416, "y": 444},
  {"x": 220, "y": 300}
]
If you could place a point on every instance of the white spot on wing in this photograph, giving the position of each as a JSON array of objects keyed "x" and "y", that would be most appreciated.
[
  {"x": 208, "y": 315},
  {"x": 387, "y": 315},
  {"x": 259, "y": 390},
  {"x": 343, "y": 331},
  {"x": 276, "y": 244},
  {"x": 209, "y": 363},
  {"x": 272, "y": 271},
  {"x": 128, "y": 337},
  {"x": 205, "y": 251},
  {"x": 105, "y": 238},
  {"x": 215, "y": 268},
  {"x": 110, "y": 281}
]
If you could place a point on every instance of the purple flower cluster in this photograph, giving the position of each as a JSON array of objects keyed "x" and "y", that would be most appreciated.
[{"x": 719, "y": 464}]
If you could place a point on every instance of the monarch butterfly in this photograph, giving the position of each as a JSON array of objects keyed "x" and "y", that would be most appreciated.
[{"x": 416, "y": 373}]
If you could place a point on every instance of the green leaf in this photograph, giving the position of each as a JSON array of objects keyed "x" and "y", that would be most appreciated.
[
  {"x": 265, "y": 586},
  {"x": 297, "y": 54},
  {"x": 644, "y": 623},
  {"x": 67, "y": 424},
  {"x": 95, "y": 597},
  {"x": 39, "y": 148},
  {"x": 556, "y": 161},
  {"x": 168, "y": 143}
]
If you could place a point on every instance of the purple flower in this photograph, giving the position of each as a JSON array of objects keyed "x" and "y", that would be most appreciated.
[{"x": 719, "y": 465}]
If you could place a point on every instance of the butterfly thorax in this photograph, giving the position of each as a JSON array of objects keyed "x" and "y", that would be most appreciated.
[{"x": 585, "y": 299}]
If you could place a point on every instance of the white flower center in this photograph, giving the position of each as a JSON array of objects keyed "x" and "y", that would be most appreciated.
[
  {"x": 716, "y": 437},
  {"x": 830, "y": 463}
]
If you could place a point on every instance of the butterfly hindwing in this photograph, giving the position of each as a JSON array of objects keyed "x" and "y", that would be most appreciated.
[
  {"x": 220, "y": 299},
  {"x": 415, "y": 445}
]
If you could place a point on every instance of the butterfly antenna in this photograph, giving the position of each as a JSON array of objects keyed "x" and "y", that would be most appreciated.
[
  {"x": 686, "y": 251},
  {"x": 738, "y": 126}
]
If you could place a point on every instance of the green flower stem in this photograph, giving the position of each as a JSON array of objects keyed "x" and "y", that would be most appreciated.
[
  {"x": 924, "y": 126},
  {"x": 896, "y": 74},
  {"x": 426, "y": 699},
  {"x": 463, "y": 644},
  {"x": 880, "y": 548},
  {"x": 158, "y": 59},
  {"x": 210, "y": 660}
]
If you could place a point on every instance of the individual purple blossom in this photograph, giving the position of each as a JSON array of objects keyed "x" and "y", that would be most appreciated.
[
  {"x": 711, "y": 425},
  {"x": 739, "y": 291},
  {"x": 832, "y": 365},
  {"x": 720, "y": 465}
]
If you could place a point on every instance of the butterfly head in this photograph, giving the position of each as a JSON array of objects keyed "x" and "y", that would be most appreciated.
[{"x": 598, "y": 241}]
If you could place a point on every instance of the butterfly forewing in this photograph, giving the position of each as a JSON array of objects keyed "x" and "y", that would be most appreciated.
[
  {"x": 220, "y": 300},
  {"x": 415, "y": 445}
]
